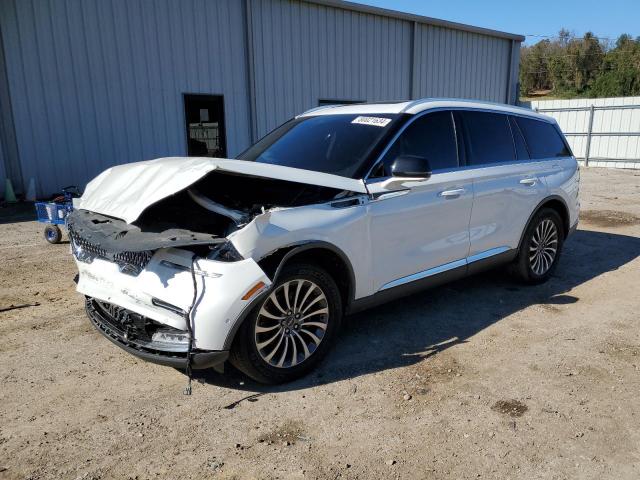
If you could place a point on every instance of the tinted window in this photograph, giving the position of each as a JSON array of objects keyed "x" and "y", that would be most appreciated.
[
  {"x": 521, "y": 147},
  {"x": 543, "y": 139},
  {"x": 430, "y": 136},
  {"x": 488, "y": 138},
  {"x": 337, "y": 144}
]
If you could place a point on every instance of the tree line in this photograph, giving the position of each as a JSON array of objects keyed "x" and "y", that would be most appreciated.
[{"x": 571, "y": 66}]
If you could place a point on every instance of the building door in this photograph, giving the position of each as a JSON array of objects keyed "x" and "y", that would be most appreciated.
[{"x": 204, "y": 115}]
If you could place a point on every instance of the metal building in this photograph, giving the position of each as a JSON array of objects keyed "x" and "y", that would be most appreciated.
[{"x": 86, "y": 84}]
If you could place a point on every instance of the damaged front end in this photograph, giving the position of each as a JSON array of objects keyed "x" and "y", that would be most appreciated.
[
  {"x": 157, "y": 265},
  {"x": 97, "y": 236},
  {"x": 139, "y": 288},
  {"x": 148, "y": 339}
]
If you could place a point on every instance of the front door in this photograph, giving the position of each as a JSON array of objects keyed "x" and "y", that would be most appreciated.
[{"x": 420, "y": 228}]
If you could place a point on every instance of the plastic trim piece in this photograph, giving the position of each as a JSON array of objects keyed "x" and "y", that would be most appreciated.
[
  {"x": 424, "y": 274},
  {"x": 444, "y": 268},
  {"x": 433, "y": 280}
]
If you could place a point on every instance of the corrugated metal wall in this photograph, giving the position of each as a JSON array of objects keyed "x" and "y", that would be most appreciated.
[
  {"x": 461, "y": 64},
  {"x": 95, "y": 83},
  {"x": 305, "y": 52},
  {"x": 619, "y": 150},
  {"x": 99, "y": 82}
]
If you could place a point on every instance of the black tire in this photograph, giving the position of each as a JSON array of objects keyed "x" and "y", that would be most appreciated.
[
  {"x": 52, "y": 234},
  {"x": 245, "y": 355},
  {"x": 523, "y": 266}
]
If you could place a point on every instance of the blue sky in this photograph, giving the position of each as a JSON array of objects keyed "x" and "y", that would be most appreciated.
[{"x": 607, "y": 18}]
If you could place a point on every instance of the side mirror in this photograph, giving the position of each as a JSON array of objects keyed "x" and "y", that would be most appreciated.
[{"x": 411, "y": 166}]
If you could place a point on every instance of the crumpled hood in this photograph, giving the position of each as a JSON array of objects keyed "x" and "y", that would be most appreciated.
[{"x": 125, "y": 191}]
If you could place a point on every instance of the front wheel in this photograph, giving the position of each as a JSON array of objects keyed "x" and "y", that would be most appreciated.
[
  {"x": 292, "y": 329},
  {"x": 540, "y": 249}
]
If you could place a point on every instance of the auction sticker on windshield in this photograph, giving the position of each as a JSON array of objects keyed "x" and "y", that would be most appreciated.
[{"x": 375, "y": 121}]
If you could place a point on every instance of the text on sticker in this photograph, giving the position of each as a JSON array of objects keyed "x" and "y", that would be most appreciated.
[{"x": 375, "y": 121}]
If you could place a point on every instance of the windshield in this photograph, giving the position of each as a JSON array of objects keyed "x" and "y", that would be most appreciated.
[{"x": 337, "y": 144}]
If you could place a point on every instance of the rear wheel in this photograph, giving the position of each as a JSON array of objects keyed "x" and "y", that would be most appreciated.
[
  {"x": 540, "y": 249},
  {"x": 292, "y": 329}
]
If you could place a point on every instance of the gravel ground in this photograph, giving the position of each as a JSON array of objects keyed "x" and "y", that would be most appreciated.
[{"x": 481, "y": 378}]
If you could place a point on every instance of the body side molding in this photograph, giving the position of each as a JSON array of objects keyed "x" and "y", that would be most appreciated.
[
  {"x": 443, "y": 268},
  {"x": 436, "y": 276}
]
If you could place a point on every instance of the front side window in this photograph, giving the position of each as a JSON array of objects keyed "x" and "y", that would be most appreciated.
[
  {"x": 543, "y": 139},
  {"x": 431, "y": 136},
  {"x": 488, "y": 138},
  {"x": 338, "y": 144}
]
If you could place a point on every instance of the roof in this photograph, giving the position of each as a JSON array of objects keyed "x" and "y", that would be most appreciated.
[
  {"x": 417, "y": 106},
  {"x": 384, "y": 12}
]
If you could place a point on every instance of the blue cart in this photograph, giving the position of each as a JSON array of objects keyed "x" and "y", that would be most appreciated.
[{"x": 55, "y": 213}]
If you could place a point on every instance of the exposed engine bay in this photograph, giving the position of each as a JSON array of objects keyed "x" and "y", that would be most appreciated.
[
  {"x": 198, "y": 218},
  {"x": 172, "y": 252},
  {"x": 221, "y": 203}
]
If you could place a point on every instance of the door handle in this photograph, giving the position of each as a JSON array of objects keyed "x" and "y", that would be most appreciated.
[
  {"x": 455, "y": 193},
  {"x": 530, "y": 182}
]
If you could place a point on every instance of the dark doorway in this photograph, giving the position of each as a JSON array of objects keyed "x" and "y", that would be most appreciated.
[{"x": 205, "y": 125}]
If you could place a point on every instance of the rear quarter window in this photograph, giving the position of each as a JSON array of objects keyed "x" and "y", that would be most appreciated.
[{"x": 543, "y": 139}]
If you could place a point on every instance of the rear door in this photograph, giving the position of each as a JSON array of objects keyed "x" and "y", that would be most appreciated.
[
  {"x": 556, "y": 165},
  {"x": 506, "y": 183}
]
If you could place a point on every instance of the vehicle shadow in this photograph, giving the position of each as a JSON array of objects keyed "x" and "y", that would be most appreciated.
[{"x": 409, "y": 330}]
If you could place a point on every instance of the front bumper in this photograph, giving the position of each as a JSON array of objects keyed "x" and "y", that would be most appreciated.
[
  {"x": 137, "y": 343},
  {"x": 163, "y": 292}
]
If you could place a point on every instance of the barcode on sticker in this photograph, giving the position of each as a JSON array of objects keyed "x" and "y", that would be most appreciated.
[{"x": 375, "y": 121}]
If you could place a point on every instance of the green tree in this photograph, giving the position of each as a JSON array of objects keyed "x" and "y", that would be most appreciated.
[
  {"x": 621, "y": 70},
  {"x": 586, "y": 66}
]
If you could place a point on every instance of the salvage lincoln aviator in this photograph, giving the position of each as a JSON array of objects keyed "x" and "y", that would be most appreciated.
[{"x": 190, "y": 262}]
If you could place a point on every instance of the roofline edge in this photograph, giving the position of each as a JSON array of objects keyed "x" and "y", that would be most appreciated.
[{"x": 385, "y": 12}]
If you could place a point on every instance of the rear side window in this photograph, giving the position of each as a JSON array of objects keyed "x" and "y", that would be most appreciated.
[
  {"x": 431, "y": 136},
  {"x": 488, "y": 138},
  {"x": 543, "y": 139}
]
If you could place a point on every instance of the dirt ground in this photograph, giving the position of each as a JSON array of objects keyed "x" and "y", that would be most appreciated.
[{"x": 482, "y": 378}]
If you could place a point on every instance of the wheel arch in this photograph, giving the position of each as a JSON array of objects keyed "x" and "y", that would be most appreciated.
[
  {"x": 556, "y": 203},
  {"x": 324, "y": 254},
  {"x": 339, "y": 267}
]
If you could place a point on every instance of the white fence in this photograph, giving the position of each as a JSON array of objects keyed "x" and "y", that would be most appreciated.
[{"x": 602, "y": 132}]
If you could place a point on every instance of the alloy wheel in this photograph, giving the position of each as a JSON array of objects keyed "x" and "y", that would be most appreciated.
[
  {"x": 544, "y": 247},
  {"x": 291, "y": 323}
]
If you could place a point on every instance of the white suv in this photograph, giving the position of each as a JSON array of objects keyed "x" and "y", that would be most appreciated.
[{"x": 189, "y": 262}]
